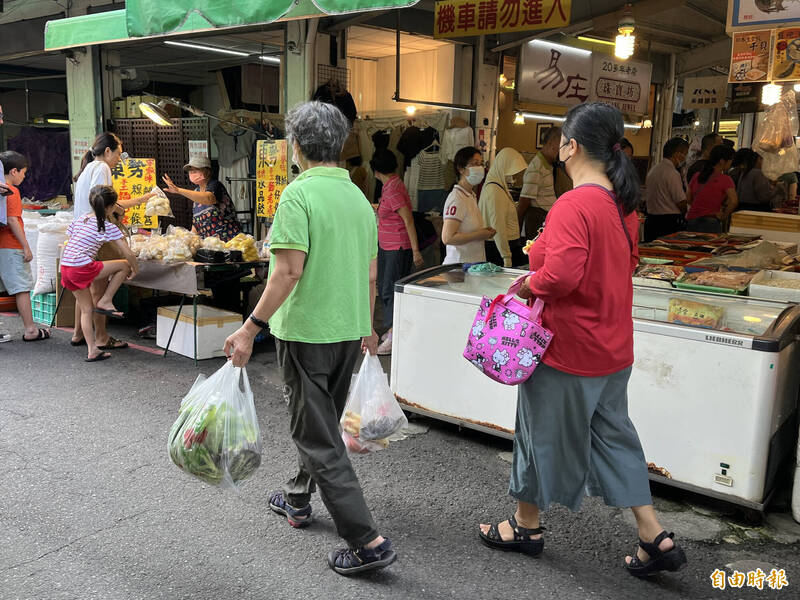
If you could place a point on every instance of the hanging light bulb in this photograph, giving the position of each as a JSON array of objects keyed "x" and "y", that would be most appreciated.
[
  {"x": 519, "y": 119},
  {"x": 410, "y": 110},
  {"x": 647, "y": 123},
  {"x": 502, "y": 79},
  {"x": 771, "y": 94},
  {"x": 797, "y": 87},
  {"x": 697, "y": 123},
  {"x": 625, "y": 41}
]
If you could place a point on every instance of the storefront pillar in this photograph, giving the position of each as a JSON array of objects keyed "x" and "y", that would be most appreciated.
[
  {"x": 299, "y": 66},
  {"x": 84, "y": 98},
  {"x": 486, "y": 92}
]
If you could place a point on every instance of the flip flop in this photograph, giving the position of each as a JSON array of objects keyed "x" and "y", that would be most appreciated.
[
  {"x": 114, "y": 344},
  {"x": 81, "y": 342},
  {"x": 42, "y": 335},
  {"x": 114, "y": 314},
  {"x": 100, "y": 357}
]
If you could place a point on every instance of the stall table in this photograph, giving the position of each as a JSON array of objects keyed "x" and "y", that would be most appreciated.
[{"x": 187, "y": 279}]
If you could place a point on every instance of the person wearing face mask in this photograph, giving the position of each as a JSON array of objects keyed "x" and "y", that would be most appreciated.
[
  {"x": 213, "y": 213},
  {"x": 96, "y": 166},
  {"x": 499, "y": 211},
  {"x": 573, "y": 436},
  {"x": 664, "y": 193},
  {"x": 464, "y": 231}
]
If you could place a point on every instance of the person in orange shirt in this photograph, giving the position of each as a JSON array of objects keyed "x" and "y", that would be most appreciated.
[{"x": 15, "y": 253}]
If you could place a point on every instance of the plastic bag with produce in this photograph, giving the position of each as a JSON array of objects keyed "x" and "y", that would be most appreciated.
[
  {"x": 216, "y": 437},
  {"x": 158, "y": 205},
  {"x": 372, "y": 413},
  {"x": 214, "y": 243}
]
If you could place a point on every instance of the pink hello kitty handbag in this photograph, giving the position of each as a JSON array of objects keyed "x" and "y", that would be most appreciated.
[{"x": 507, "y": 340}]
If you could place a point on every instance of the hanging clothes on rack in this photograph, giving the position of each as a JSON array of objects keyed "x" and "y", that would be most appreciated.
[
  {"x": 235, "y": 147},
  {"x": 239, "y": 190},
  {"x": 431, "y": 188},
  {"x": 454, "y": 140}
]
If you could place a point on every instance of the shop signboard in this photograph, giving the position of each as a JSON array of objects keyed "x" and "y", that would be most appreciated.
[
  {"x": 624, "y": 84},
  {"x": 705, "y": 92},
  {"x": 562, "y": 75},
  {"x": 466, "y": 18},
  {"x": 786, "y": 55},
  {"x": 133, "y": 178},
  {"x": 746, "y": 98},
  {"x": 762, "y": 14},
  {"x": 272, "y": 175},
  {"x": 79, "y": 148},
  {"x": 750, "y": 56},
  {"x": 198, "y": 148},
  {"x": 554, "y": 74}
]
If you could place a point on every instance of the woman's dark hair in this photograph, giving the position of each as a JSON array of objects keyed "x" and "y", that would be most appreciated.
[
  {"x": 462, "y": 158},
  {"x": 384, "y": 162},
  {"x": 742, "y": 158},
  {"x": 598, "y": 128},
  {"x": 624, "y": 144},
  {"x": 13, "y": 160},
  {"x": 101, "y": 142},
  {"x": 718, "y": 154},
  {"x": 100, "y": 198}
]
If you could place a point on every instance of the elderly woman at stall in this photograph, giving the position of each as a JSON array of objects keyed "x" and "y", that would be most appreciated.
[
  {"x": 754, "y": 190},
  {"x": 499, "y": 211},
  {"x": 213, "y": 212}
]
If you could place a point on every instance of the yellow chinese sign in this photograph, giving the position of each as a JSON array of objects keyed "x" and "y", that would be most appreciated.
[
  {"x": 272, "y": 176},
  {"x": 786, "y": 62},
  {"x": 465, "y": 18},
  {"x": 133, "y": 178}
]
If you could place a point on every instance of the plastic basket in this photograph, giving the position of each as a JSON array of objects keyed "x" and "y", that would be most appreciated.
[{"x": 44, "y": 307}]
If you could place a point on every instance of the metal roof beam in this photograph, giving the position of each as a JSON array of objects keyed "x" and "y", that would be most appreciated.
[{"x": 713, "y": 55}]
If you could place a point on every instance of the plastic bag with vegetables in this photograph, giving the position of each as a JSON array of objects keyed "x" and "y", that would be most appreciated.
[
  {"x": 216, "y": 437},
  {"x": 372, "y": 413}
]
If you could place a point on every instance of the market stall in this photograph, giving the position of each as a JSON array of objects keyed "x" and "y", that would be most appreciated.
[{"x": 716, "y": 376}]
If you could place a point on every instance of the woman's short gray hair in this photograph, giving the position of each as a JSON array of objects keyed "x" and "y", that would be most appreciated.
[{"x": 319, "y": 129}]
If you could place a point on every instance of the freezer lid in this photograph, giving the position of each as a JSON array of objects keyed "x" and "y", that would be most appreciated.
[
  {"x": 717, "y": 318},
  {"x": 451, "y": 282}
]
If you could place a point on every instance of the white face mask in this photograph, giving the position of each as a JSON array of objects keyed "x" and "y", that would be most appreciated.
[{"x": 475, "y": 175}]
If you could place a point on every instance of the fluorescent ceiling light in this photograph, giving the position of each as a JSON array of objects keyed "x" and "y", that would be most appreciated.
[
  {"x": 207, "y": 48},
  {"x": 552, "y": 118},
  {"x": 156, "y": 113},
  {"x": 561, "y": 47},
  {"x": 592, "y": 40},
  {"x": 271, "y": 59},
  {"x": 58, "y": 121}
]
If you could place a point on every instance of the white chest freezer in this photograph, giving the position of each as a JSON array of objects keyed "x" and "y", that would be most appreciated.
[{"x": 715, "y": 408}]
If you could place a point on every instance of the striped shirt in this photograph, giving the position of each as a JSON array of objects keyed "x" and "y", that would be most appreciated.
[
  {"x": 538, "y": 183},
  {"x": 84, "y": 241}
]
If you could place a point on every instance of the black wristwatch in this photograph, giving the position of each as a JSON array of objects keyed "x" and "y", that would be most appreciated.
[{"x": 258, "y": 322}]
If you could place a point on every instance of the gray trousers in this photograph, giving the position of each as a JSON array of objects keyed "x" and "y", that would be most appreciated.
[
  {"x": 316, "y": 381},
  {"x": 573, "y": 438}
]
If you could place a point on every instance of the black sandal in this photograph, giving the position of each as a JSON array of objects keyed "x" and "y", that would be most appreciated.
[
  {"x": 671, "y": 560},
  {"x": 522, "y": 541}
]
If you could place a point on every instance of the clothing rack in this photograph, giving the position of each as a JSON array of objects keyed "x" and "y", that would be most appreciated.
[{"x": 251, "y": 223}]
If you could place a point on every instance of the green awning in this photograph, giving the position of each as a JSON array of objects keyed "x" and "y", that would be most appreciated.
[{"x": 150, "y": 18}]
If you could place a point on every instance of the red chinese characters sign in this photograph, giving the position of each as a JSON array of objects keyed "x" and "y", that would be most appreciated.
[
  {"x": 272, "y": 176},
  {"x": 465, "y": 18}
]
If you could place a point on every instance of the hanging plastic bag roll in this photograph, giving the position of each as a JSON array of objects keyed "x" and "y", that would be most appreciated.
[
  {"x": 216, "y": 437},
  {"x": 372, "y": 413}
]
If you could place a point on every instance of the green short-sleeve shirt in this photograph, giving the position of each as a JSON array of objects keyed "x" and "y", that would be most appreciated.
[{"x": 325, "y": 215}]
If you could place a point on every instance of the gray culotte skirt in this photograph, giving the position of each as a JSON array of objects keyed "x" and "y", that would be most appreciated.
[{"x": 573, "y": 437}]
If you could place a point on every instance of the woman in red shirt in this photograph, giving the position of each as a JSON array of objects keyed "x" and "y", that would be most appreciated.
[
  {"x": 712, "y": 193},
  {"x": 573, "y": 435}
]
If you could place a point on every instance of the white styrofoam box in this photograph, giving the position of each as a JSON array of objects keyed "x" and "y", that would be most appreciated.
[
  {"x": 213, "y": 327},
  {"x": 759, "y": 289}
]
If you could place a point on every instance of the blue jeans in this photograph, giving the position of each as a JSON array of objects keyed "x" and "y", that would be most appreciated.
[{"x": 393, "y": 265}]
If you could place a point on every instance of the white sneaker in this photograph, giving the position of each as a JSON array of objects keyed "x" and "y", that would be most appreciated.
[
  {"x": 5, "y": 337},
  {"x": 385, "y": 347}
]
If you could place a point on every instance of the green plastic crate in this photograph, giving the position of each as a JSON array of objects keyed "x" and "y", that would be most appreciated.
[{"x": 44, "y": 307}]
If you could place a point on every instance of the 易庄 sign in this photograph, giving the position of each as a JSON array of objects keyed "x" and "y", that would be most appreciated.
[
  {"x": 465, "y": 18},
  {"x": 562, "y": 75}
]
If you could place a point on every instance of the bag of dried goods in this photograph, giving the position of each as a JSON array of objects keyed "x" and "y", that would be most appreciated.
[
  {"x": 158, "y": 205},
  {"x": 216, "y": 437}
]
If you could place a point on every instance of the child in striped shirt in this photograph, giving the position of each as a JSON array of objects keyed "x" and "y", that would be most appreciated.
[{"x": 79, "y": 267}]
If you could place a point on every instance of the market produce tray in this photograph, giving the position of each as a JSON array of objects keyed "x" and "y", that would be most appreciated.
[
  {"x": 760, "y": 288},
  {"x": 682, "y": 284}
]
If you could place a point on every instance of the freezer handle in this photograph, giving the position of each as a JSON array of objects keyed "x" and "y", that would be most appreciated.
[{"x": 783, "y": 331}]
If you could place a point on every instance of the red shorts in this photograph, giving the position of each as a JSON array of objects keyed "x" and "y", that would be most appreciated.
[{"x": 80, "y": 278}]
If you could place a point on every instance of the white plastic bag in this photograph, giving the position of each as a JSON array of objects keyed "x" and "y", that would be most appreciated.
[
  {"x": 372, "y": 413},
  {"x": 216, "y": 437},
  {"x": 159, "y": 205},
  {"x": 52, "y": 233}
]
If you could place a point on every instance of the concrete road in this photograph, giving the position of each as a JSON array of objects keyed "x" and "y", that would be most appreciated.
[{"x": 91, "y": 506}]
